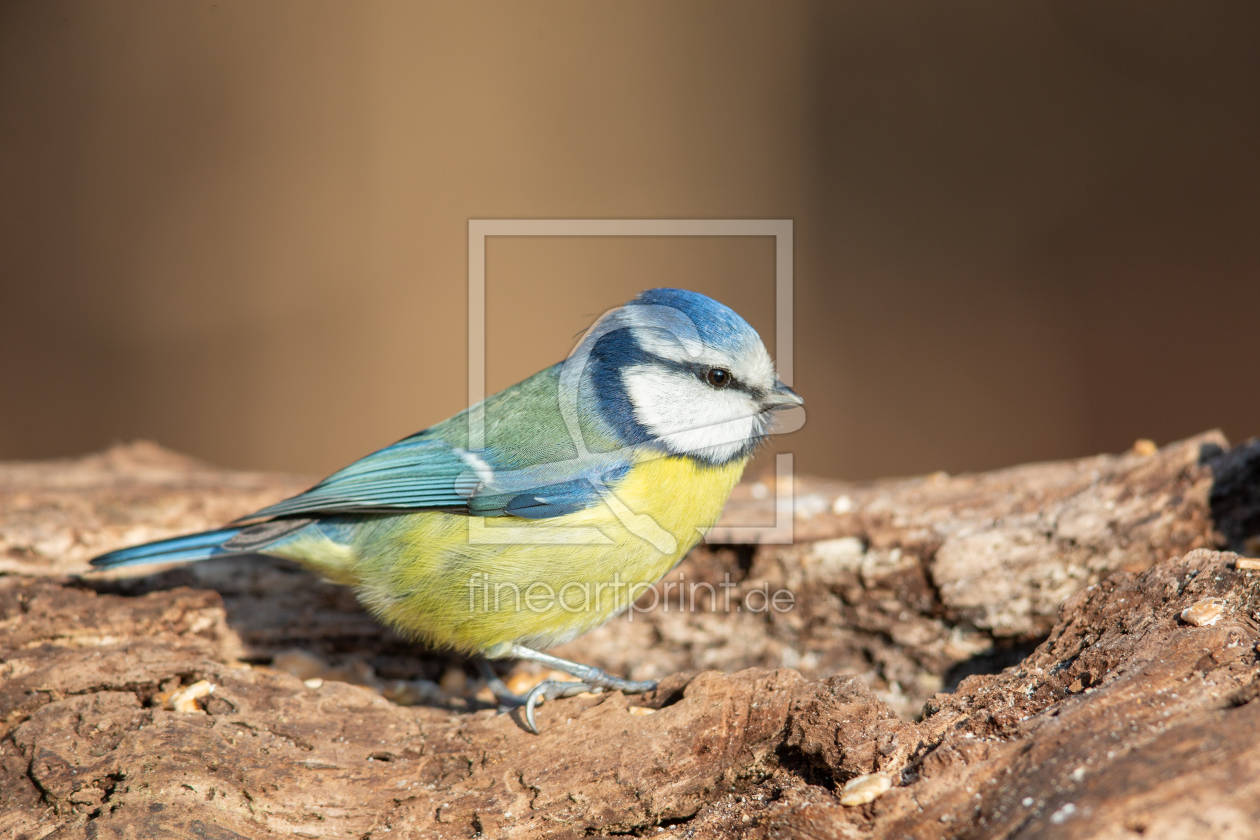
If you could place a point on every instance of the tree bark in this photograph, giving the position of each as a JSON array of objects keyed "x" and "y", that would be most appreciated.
[{"x": 1006, "y": 648}]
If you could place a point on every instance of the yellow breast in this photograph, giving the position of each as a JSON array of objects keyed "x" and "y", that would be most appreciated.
[{"x": 479, "y": 585}]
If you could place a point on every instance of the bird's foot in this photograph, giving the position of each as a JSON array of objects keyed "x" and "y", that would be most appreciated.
[
  {"x": 551, "y": 690},
  {"x": 590, "y": 679},
  {"x": 596, "y": 682}
]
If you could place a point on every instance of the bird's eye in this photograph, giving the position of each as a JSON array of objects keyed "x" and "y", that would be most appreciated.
[{"x": 718, "y": 377}]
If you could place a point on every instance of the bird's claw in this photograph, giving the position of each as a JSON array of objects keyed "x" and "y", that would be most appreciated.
[
  {"x": 552, "y": 690},
  {"x": 589, "y": 679}
]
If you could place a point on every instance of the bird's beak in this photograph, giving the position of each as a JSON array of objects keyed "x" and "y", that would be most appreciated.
[{"x": 781, "y": 397}]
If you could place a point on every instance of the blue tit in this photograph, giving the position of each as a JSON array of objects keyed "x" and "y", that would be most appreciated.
[{"x": 542, "y": 512}]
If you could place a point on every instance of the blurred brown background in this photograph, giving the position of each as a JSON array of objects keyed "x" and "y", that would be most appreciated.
[{"x": 1023, "y": 231}]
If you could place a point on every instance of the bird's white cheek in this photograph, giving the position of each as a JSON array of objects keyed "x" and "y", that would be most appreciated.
[{"x": 687, "y": 415}]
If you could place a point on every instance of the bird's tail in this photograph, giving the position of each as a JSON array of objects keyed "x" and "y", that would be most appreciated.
[{"x": 175, "y": 550}]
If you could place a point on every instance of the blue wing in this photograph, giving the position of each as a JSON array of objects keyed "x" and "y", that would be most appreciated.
[
  {"x": 414, "y": 473},
  {"x": 426, "y": 473},
  {"x": 558, "y": 499},
  {"x": 529, "y": 468}
]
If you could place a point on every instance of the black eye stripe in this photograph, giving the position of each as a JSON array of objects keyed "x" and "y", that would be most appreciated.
[{"x": 699, "y": 371}]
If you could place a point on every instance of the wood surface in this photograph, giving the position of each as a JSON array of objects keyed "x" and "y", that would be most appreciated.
[{"x": 1007, "y": 648}]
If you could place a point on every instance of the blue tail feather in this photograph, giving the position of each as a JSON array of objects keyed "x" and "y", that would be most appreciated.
[{"x": 175, "y": 550}]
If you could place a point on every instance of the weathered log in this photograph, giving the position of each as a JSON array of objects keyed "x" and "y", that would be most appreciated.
[{"x": 1116, "y": 715}]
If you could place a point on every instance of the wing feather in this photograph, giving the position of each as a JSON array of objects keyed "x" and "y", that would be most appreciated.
[
  {"x": 430, "y": 474},
  {"x": 528, "y": 469}
]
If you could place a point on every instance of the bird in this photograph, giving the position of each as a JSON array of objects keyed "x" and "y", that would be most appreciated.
[{"x": 537, "y": 515}]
